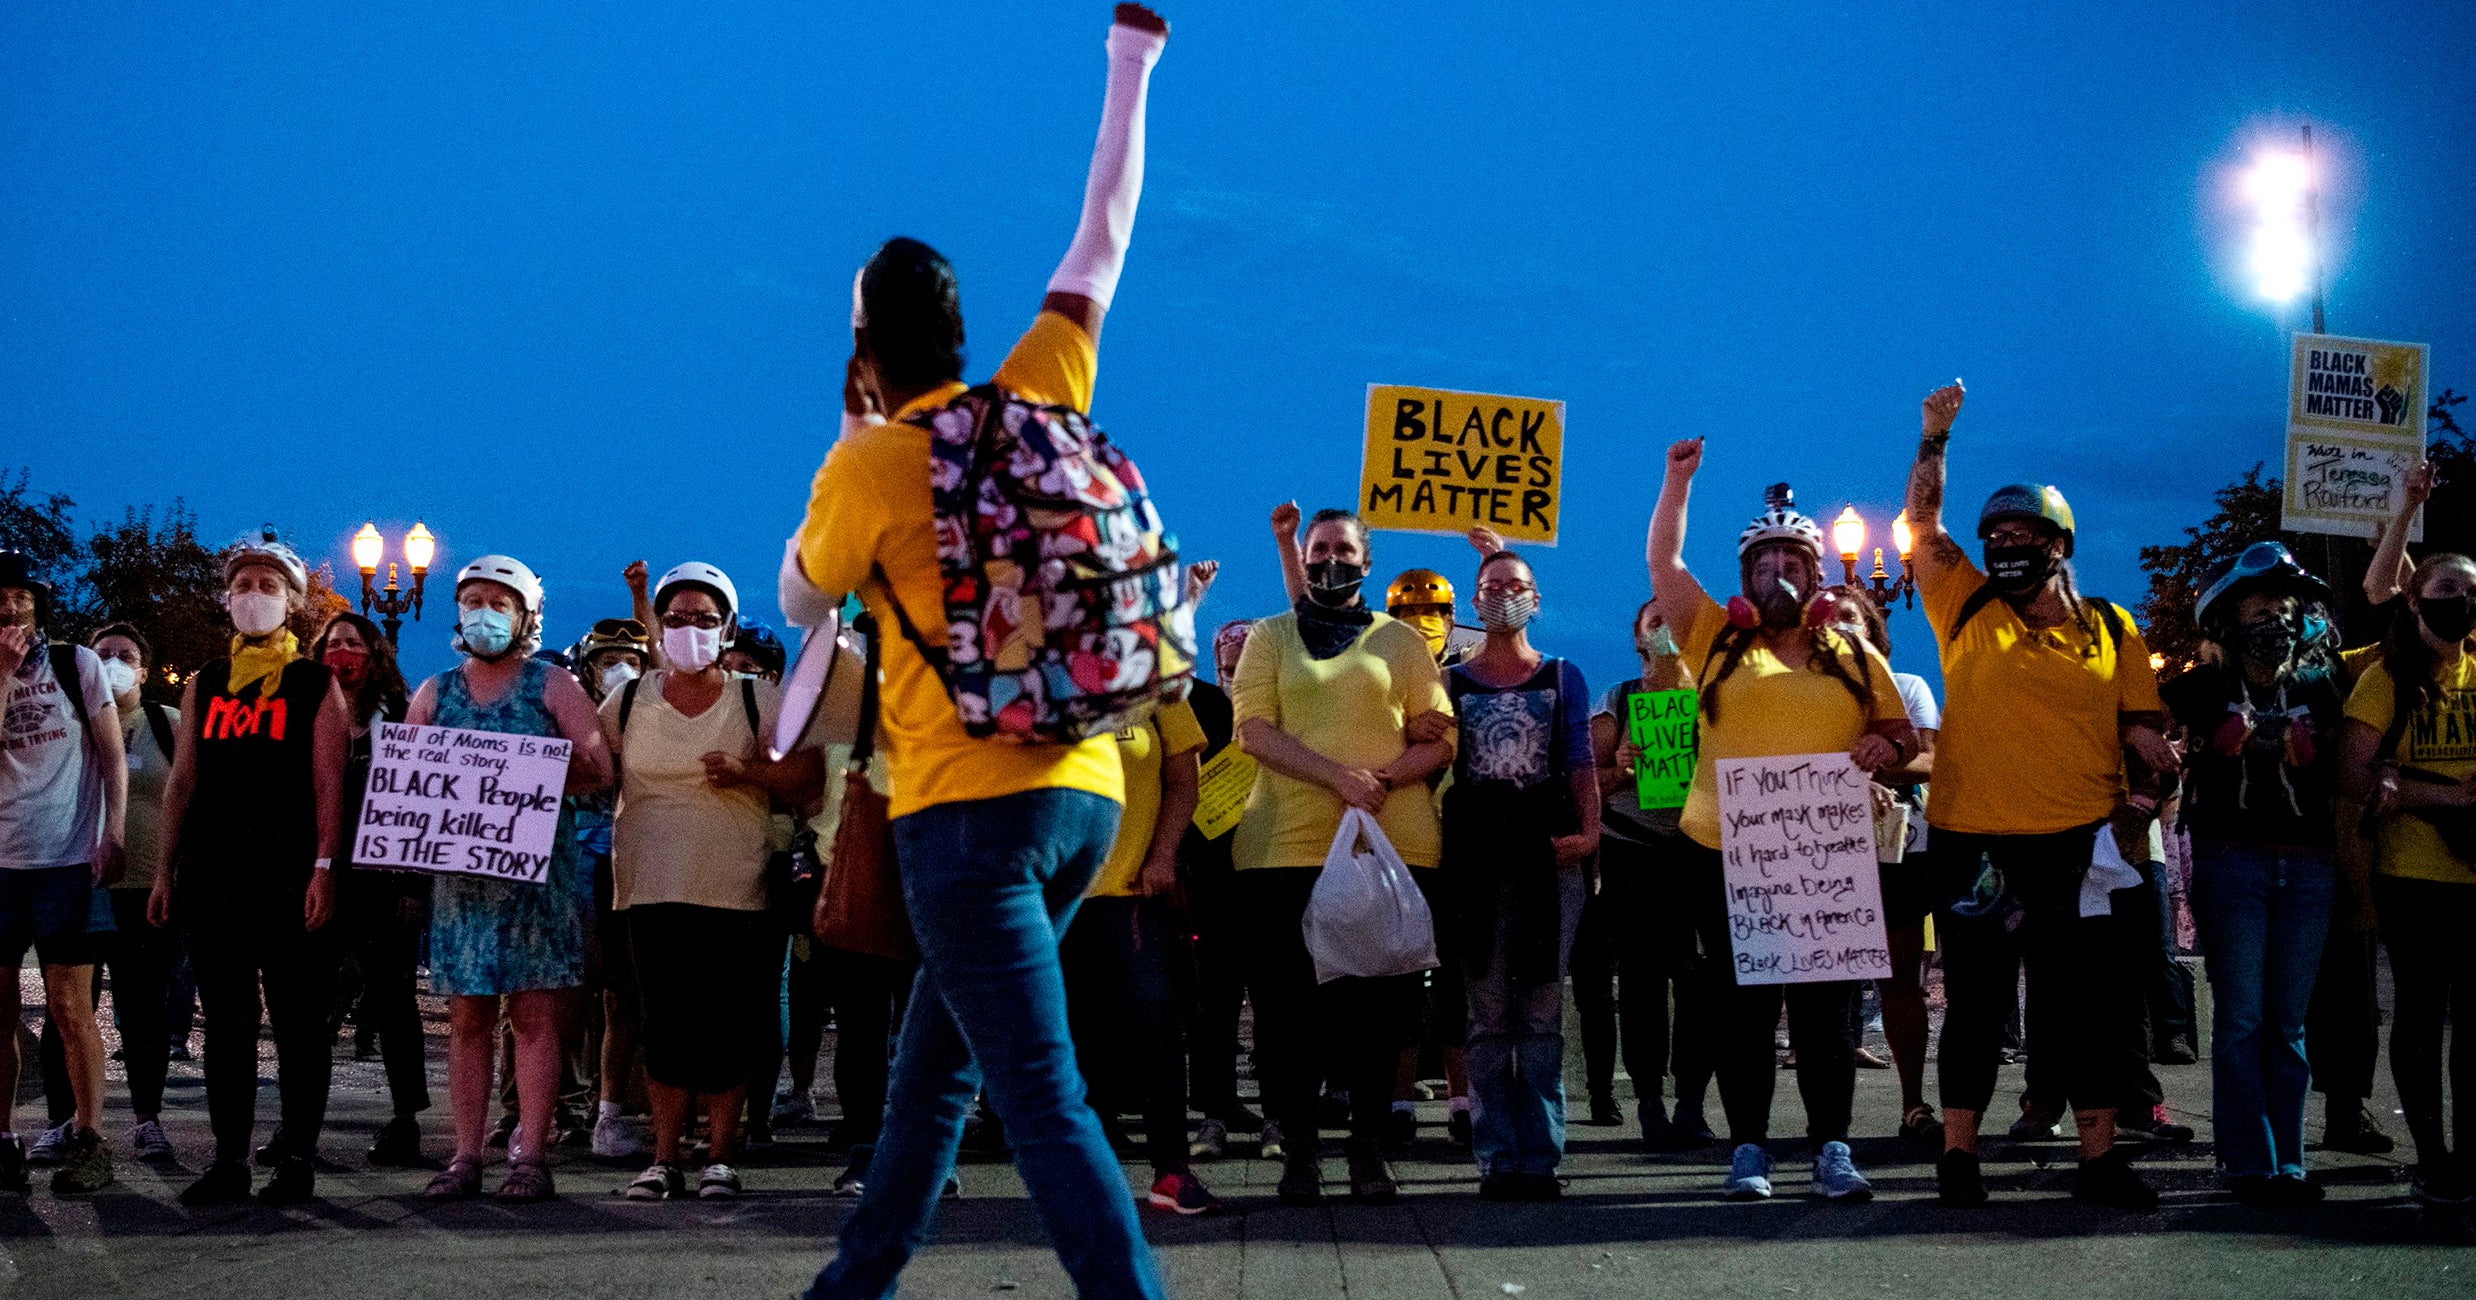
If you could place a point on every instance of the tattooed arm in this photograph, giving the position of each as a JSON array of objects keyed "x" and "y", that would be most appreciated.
[{"x": 1935, "y": 550}]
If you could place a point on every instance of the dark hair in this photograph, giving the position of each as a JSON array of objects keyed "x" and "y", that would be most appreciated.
[
  {"x": 1333, "y": 513},
  {"x": 382, "y": 690},
  {"x": 1878, "y": 628},
  {"x": 662, "y": 599},
  {"x": 912, "y": 314},
  {"x": 2415, "y": 677},
  {"x": 146, "y": 649},
  {"x": 1506, "y": 554}
]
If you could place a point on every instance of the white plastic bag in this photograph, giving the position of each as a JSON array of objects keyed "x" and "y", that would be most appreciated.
[{"x": 1367, "y": 917}]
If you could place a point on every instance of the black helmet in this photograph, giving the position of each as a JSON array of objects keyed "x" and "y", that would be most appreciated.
[
  {"x": 758, "y": 642},
  {"x": 17, "y": 570}
]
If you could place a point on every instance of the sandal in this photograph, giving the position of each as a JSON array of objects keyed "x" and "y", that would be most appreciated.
[
  {"x": 459, "y": 1181},
  {"x": 528, "y": 1180}
]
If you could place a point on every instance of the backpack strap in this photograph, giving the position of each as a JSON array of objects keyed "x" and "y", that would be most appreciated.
[
  {"x": 748, "y": 702},
  {"x": 1985, "y": 595},
  {"x": 64, "y": 667},
  {"x": 864, "y": 743},
  {"x": 159, "y": 720},
  {"x": 627, "y": 702}
]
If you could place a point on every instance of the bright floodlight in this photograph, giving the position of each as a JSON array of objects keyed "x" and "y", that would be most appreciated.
[
  {"x": 367, "y": 548},
  {"x": 1901, "y": 538},
  {"x": 1848, "y": 532},
  {"x": 419, "y": 547},
  {"x": 2282, "y": 254}
]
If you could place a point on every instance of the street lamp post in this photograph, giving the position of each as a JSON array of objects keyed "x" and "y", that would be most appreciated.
[
  {"x": 391, "y": 604},
  {"x": 1848, "y": 536}
]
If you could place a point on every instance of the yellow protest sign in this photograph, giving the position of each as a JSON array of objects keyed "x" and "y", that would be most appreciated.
[
  {"x": 2355, "y": 424},
  {"x": 1221, "y": 792},
  {"x": 1439, "y": 461}
]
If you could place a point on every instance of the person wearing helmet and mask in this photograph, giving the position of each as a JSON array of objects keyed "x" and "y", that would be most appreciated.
[
  {"x": 380, "y": 914},
  {"x": 2408, "y": 751},
  {"x": 2050, "y": 703},
  {"x": 63, "y": 808},
  {"x": 495, "y": 946},
  {"x": 688, "y": 853},
  {"x": 2263, "y": 719},
  {"x": 756, "y": 652},
  {"x": 1423, "y": 598},
  {"x": 253, "y": 818},
  {"x": 1773, "y": 681},
  {"x": 611, "y": 654}
]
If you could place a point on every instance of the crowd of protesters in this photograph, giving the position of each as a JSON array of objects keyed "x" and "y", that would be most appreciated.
[{"x": 1086, "y": 951}]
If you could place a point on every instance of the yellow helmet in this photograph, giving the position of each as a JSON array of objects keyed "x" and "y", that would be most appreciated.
[{"x": 1417, "y": 587}]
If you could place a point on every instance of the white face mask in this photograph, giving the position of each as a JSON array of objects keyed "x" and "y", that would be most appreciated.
[
  {"x": 255, "y": 613},
  {"x": 617, "y": 676},
  {"x": 692, "y": 649},
  {"x": 119, "y": 677}
]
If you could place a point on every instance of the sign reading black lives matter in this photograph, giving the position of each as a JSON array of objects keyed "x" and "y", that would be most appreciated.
[
  {"x": 2355, "y": 424},
  {"x": 1805, "y": 902},
  {"x": 461, "y": 803}
]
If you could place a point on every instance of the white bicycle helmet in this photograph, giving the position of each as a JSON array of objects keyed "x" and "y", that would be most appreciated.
[
  {"x": 264, "y": 549},
  {"x": 508, "y": 572},
  {"x": 700, "y": 574},
  {"x": 1781, "y": 524}
]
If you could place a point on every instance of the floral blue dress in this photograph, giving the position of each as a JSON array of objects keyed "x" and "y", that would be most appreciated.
[{"x": 490, "y": 936}]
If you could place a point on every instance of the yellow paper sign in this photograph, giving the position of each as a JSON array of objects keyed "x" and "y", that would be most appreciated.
[
  {"x": 1439, "y": 461},
  {"x": 2355, "y": 424},
  {"x": 1221, "y": 793}
]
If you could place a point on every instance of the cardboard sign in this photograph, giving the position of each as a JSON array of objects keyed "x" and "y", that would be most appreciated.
[
  {"x": 1439, "y": 461},
  {"x": 1662, "y": 724},
  {"x": 2355, "y": 423},
  {"x": 1805, "y": 902},
  {"x": 1222, "y": 790},
  {"x": 461, "y": 803}
]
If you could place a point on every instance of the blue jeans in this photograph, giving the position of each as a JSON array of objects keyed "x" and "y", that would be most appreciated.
[
  {"x": 2263, "y": 914},
  {"x": 1517, "y": 1052},
  {"x": 992, "y": 884}
]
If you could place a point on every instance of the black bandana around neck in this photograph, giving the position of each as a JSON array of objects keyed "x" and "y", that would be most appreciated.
[{"x": 1326, "y": 631}]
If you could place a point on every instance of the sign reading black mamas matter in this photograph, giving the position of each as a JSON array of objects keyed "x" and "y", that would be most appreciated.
[{"x": 461, "y": 803}]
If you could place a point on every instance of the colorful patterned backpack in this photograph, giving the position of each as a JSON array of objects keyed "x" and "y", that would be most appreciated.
[{"x": 1066, "y": 610}]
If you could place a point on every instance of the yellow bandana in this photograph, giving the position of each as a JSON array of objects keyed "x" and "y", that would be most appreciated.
[{"x": 262, "y": 664}]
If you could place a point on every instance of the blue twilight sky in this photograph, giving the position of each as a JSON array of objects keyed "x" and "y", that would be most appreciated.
[{"x": 570, "y": 282}]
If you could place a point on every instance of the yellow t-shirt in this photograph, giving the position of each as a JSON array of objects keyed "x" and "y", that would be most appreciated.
[
  {"x": 869, "y": 507},
  {"x": 2442, "y": 741},
  {"x": 1349, "y": 708},
  {"x": 1766, "y": 707},
  {"x": 2032, "y": 741},
  {"x": 1143, "y": 752}
]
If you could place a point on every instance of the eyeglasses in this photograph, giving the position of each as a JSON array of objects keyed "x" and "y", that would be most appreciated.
[
  {"x": 2001, "y": 535},
  {"x": 708, "y": 622}
]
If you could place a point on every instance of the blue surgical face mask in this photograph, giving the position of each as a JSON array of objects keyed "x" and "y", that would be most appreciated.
[{"x": 486, "y": 632}]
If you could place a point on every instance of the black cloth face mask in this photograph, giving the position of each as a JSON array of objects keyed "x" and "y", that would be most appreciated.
[
  {"x": 2449, "y": 618},
  {"x": 1335, "y": 583},
  {"x": 2269, "y": 642},
  {"x": 2019, "y": 570}
]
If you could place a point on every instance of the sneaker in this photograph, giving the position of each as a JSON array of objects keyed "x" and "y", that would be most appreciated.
[
  {"x": 1659, "y": 1133},
  {"x": 1749, "y": 1174},
  {"x": 616, "y": 1138},
  {"x": 791, "y": 1108},
  {"x": 85, "y": 1165},
  {"x": 2109, "y": 1180},
  {"x": 1182, "y": 1193},
  {"x": 397, "y": 1145},
  {"x": 1922, "y": 1126},
  {"x": 1401, "y": 1128},
  {"x": 295, "y": 1182},
  {"x": 2437, "y": 1185},
  {"x": 13, "y": 1165},
  {"x": 2036, "y": 1122},
  {"x": 1539, "y": 1187},
  {"x": 1959, "y": 1180},
  {"x": 1604, "y": 1112},
  {"x": 1457, "y": 1126},
  {"x": 148, "y": 1141},
  {"x": 50, "y": 1146},
  {"x": 2351, "y": 1129},
  {"x": 1836, "y": 1177},
  {"x": 272, "y": 1154},
  {"x": 1270, "y": 1147},
  {"x": 1692, "y": 1130},
  {"x": 1500, "y": 1187},
  {"x": 853, "y": 1180},
  {"x": 1302, "y": 1179},
  {"x": 659, "y": 1182},
  {"x": 225, "y": 1182},
  {"x": 2153, "y": 1127},
  {"x": 719, "y": 1182},
  {"x": 1371, "y": 1179},
  {"x": 1211, "y": 1141}
]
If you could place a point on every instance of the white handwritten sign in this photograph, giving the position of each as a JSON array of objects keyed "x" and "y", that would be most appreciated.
[
  {"x": 1796, "y": 835},
  {"x": 2355, "y": 423},
  {"x": 461, "y": 803}
]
